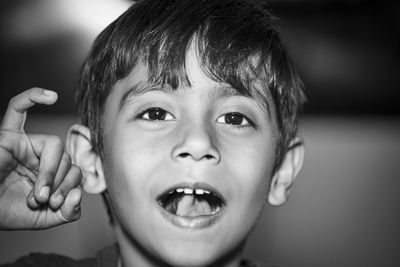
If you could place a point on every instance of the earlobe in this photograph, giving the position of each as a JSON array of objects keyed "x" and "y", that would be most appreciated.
[
  {"x": 80, "y": 148},
  {"x": 282, "y": 181}
]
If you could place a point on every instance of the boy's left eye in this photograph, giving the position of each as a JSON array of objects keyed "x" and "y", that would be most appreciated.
[
  {"x": 155, "y": 114},
  {"x": 235, "y": 119}
]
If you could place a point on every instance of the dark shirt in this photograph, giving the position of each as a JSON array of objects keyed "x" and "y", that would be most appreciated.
[{"x": 107, "y": 257}]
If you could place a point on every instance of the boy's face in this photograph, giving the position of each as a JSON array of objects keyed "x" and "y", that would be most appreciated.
[{"x": 205, "y": 140}]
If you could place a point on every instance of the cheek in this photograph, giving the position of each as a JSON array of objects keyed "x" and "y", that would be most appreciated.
[
  {"x": 250, "y": 166},
  {"x": 251, "y": 161},
  {"x": 125, "y": 166},
  {"x": 134, "y": 162},
  {"x": 253, "y": 192}
]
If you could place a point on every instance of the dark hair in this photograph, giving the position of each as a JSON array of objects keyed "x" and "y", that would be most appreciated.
[{"x": 237, "y": 42}]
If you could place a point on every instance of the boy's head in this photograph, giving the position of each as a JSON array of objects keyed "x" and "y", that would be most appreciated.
[
  {"x": 190, "y": 111},
  {"x": 237, "y": 41}
]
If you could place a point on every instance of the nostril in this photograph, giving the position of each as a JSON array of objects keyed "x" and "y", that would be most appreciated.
[
  {"x": 186, "y": 155},
  {"x": 209, "y": 157}
]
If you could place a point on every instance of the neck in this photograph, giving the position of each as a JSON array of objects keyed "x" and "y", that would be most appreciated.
[{"x": 132, "y": 254}]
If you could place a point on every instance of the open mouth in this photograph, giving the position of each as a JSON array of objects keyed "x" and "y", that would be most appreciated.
[{"x": 189, "y": 202}]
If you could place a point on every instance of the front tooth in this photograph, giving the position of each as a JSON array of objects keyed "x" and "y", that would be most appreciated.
[
  {"x": 199, "y": 191},
  {"x": 188, "y": 191},
  {"x": 180, "y": 190}
]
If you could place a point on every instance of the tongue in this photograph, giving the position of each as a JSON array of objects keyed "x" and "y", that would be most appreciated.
[{"x": 189, "y": 206}]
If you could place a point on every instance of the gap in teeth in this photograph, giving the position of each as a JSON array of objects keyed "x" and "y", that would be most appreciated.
[
  {"x": 174, "y": 196},
  {"x": 190, "y": 191}
]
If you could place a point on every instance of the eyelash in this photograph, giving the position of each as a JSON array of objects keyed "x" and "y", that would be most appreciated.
[
  {"x": 145, "y": 115},
  {"x": 243, "y": 118}
]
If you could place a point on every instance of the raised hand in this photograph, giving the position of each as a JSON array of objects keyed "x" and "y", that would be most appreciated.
[{"x": 39, "y": 186}]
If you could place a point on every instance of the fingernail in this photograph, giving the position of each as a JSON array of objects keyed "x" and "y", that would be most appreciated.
[
  {"x": 49, "y": 93},
  {"x": 44, "y": 192}
]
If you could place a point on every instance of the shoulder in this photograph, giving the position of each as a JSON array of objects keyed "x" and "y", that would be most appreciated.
[{"x": 50, "y": 260}]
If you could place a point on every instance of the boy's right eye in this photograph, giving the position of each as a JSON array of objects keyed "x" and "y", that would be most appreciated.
[{"x": 155, "y": 114}]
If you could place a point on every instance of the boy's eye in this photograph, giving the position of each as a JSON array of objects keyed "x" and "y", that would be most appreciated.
[
  {"x": 156, "y": 114},
  {"x": 236, "y": 119}
]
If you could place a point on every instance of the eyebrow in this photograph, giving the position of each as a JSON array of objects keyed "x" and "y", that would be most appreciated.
[
  {"x": 138, "y": 89},
  {"x": 227, "y": 91},
  {"x": 144, "y": 87}
]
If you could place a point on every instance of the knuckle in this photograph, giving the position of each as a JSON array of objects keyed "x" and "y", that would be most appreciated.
[
  {"x": 13, "y": 101},
  {"x": 25, "y": 94},
  {"x": 34, "y": 90}
]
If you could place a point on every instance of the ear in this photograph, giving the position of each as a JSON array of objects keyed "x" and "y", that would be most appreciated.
[
  {"x": 80, "y": 148},
  {"x": 284, "y": 177}
]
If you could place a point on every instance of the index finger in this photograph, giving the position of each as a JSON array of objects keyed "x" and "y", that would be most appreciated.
[{"x": 15, "y": 116}]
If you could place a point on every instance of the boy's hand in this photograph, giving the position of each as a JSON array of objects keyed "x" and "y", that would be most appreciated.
[{"x": 39, "y": 186}]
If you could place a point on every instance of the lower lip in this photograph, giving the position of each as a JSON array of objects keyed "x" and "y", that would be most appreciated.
[{"x": 194, "y": 223}]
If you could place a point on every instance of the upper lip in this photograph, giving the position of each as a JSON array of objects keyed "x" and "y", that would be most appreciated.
[{"x": 194, "y": 186}]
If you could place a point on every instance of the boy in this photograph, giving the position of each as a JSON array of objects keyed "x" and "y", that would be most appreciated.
[{"x": 188, "y": 127}]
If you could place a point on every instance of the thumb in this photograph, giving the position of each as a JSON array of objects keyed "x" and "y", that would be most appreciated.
[{"x": 71, "y": 208}]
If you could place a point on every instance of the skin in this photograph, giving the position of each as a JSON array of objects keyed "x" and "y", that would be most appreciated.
[
  {"x": 192, "y": 143},
  {"x": 39, "y": 186}
]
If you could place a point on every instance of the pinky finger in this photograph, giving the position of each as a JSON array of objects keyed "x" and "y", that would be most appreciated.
[
  {"x": 71, "y": 208},
  {"x": 70, "y": 181}
]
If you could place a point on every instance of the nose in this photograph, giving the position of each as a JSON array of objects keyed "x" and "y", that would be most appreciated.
[{"x": 196, "y": 142}]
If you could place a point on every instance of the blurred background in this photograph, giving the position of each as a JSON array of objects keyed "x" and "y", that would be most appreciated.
[{"x": 344, "y": 208}]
